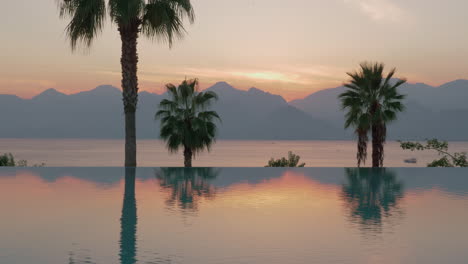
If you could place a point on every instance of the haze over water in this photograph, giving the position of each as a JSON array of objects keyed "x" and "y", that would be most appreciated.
[{"x": 225, "y": 153}]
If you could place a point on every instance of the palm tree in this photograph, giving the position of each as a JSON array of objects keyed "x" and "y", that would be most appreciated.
[
  {"x": 155, "y": 19},
  {"x": 372, "y": 102},
  {"x": 186, "y": 121}
]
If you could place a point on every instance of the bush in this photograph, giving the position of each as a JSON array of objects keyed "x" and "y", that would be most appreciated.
[
  {"x": 447, "y": 159},
  {"x": 291, "y": 161},
  {"x": 7, "y": 160}
]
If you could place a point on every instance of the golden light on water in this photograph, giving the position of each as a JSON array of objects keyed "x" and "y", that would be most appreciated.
[{"x": 292, "y": 189}]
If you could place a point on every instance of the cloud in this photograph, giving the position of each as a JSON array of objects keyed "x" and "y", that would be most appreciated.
[
  {"x": 290, "y": 81},
  {"x": 297, "y": 74},
  {"x": 380, "y": 10},
  {"x": 270, "y": 76}
]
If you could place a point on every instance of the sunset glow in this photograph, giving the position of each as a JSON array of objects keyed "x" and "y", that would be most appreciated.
[{"x": 244, "y": 43}]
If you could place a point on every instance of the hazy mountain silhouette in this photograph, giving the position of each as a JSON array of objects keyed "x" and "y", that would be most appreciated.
[
  {"x": 449, "y": 96},
  {"x": 430, "y": 111},
  {"x": 253, "y": 114},
  {"x": 97, "y": 113}
]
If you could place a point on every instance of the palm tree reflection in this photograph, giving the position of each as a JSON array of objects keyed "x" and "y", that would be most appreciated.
[
  {"x": 371, "y": 195},
  {"x": 128, "y": 221},
  {"x": 187, "y": 185},
  {"x": 128, "y": 226}
]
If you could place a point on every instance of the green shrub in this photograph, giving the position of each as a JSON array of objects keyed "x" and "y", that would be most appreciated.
[
  {"x": 446, "y": 159},
  {"x": 7, "y": 160},
  {"x": 291, "y": 161}
]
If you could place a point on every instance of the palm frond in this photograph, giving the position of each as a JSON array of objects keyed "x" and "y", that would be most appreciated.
[
  {"x": 209, "y": 115},
  {"x": 204, "y": 99},
  {"x": 126, "y": 12},
  {"x": 87, "y": 20},
  {"x": 399, "y": 83},
  {"x": 163, "y": 19},
  {"x": 168, "y": 105},
  {"x": 389, "y": 77}
]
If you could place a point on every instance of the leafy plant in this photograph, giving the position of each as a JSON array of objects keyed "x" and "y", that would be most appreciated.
[
  {"x": 8, "y": 160},
  {"x": 458, "y": 159},
  {"x": 291, "y": 161}
]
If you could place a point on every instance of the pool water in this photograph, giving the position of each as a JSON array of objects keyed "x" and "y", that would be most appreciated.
[{"x": 233, "y": 215}]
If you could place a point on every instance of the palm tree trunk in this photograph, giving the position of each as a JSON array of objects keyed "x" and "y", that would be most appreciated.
[
  {"x": 362, "y": 146},
  {"x": 378, "y": 140},
  {"x": 130, "y": 139},
  {"x": 187, "y": 157},
  {"x": 129, "y": 61},
  {"x": 378, "y": 137},
  {"x": 383, "y": 137}
]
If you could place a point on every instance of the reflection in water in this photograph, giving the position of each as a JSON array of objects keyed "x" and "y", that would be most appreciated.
[
  {"x": 128, "y": 221},
  {"x": 258, "y": 216},
  {"x": 187, "y": 185},
  {"x": 371, "y": 195}
]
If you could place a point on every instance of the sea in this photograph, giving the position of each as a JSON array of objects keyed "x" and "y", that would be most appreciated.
[{"x": 224, "y": 153}]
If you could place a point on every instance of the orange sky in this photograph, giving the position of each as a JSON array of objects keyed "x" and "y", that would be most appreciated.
[{"x": 245, "y": 43}]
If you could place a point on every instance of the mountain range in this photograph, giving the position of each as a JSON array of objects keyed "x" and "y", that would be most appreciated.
[{"x": 440, "y": 112}]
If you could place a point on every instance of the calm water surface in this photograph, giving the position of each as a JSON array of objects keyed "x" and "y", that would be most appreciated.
[
  {"x": 151, "y": 153},
  {"x": 233, "y": 215}
]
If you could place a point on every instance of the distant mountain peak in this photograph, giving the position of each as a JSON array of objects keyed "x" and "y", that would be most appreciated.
[
  {"x": 460, "y": 83},
  {"x": 222, "y": 86},
  {"x": 263, "y": 94},
  {"x": 105, "y": 88},
  {"x": 225, "y": 90},
  {"x": 256, "y": 90},
  {"x": 146, "y": 93},
  {"x": 51, "y": 92},
  {"x": 221, "y": 83},
  {"x": 101, "y": 90}
]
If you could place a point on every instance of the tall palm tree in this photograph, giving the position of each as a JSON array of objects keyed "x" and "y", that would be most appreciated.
[
  {"x": 186, "y": 121},
  {"x": 371, "y": 101},
  {"x": 155, "y": 19}
]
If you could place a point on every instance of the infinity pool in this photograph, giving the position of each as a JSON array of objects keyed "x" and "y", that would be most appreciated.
[{"x": 233, "y": 215}]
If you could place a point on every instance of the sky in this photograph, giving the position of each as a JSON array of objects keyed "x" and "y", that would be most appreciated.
[{"x": 291, "y": 48}]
